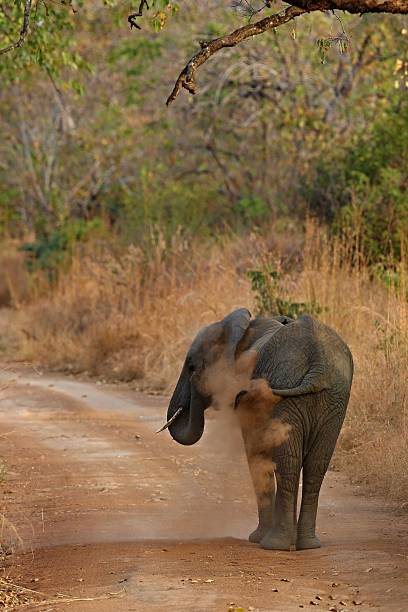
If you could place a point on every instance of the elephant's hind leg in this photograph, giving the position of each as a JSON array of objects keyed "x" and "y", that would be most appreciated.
[
  {"x": 263, "y": 477},
  {"x": 314, "y": 469},
  {"x": 306, "y": 529},
  {"x": 282, "y": 534}
]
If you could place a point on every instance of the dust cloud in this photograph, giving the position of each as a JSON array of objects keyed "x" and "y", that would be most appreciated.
[
  {"x": 224, "y": 379},
  {"x": 250, "y": 427},
  {"x": 263, "y": 475},
  {"x": 275, "y": 435},
  {"x": 255, "y": 407},
  {"x": 239, "y": 436},
  {"x": 231, "y": 486},
  {"x": 237, "y": 443}
]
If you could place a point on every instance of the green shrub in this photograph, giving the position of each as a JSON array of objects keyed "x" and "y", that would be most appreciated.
[
  {"x": 364, "y": 187},
  {"x": 52, "y": 249},
  {"x": 266, "y": 286}
]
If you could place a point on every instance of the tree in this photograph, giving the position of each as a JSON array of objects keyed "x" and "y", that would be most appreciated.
[{"x": 80, "y": 146}]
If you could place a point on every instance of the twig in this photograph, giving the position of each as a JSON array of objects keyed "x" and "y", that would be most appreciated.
[
  {"x": 246, "y": 7},
  {"x": 24, "y": 30},
  {"x": 25, "y": 589},
  {"x": 131, "y": 19},
  {"x": 187, "y": 77}
]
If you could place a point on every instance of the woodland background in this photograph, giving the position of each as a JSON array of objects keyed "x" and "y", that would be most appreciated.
[{"x": 281, "y": 186}]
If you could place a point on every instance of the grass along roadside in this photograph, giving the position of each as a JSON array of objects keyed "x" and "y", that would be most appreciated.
[{"x": 11, "y": 595}]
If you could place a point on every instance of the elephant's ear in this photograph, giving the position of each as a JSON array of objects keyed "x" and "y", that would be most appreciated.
[
  {"x": 235, "y": 326},
  {"x": 293, "y": 361}
]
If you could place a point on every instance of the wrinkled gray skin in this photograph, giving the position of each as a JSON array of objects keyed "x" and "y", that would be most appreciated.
[{"x": 309, "y": 366}]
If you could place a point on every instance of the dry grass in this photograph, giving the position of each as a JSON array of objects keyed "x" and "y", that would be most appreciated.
[
  {"x": 127, "y": 318},
  {"x": 13, "y": 596},
  {"x": 14, "y": 278},
  {"x": 373, "y": 319}
]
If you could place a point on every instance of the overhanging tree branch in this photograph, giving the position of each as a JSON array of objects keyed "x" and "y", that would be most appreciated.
[
  {"x": 24, "y": 30},
  {"x": 187, "y": 76}
]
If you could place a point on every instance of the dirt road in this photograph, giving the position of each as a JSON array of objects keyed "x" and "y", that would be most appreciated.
[{"x": 104, "y": 506}]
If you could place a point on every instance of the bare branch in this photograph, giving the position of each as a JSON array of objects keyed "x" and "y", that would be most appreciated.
[
  {"x": 132, "y": 18},
  {"x": 24, "y": 30},
  {"x": 245, "y": 7},
  {"x": 187, "y": 79}
]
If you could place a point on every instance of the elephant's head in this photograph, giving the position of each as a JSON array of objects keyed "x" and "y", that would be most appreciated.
[{"x": 217, "y": 343}]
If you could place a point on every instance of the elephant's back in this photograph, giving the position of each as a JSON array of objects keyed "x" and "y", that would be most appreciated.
[
  {"x": 285, "y": 358},
  {"x": 298, "y": 346}
]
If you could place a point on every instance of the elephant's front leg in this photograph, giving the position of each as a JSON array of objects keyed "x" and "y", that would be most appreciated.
[
  {"x": 262, "y": 471},
  {"x": 254, "y": 407}
]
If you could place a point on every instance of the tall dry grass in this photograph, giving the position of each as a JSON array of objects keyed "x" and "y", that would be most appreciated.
[
  {"x": 128, "y": 317},
  {"x": 14, "y": 277},
  {"x": 125, "y": 317},
  {"x": 373, "y": 318}
]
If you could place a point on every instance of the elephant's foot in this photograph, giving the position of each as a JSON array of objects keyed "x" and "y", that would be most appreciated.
[
  {"x": 258, "y": 534},
  {"x": 306, "y": 542},
  {"x": 276, "y": 541}
]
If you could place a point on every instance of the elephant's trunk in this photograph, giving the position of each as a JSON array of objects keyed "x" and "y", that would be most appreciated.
[{"x": 188, "y": 426}]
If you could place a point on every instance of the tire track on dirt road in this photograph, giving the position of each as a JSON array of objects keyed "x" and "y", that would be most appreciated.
[{"x": 103, "y": 505}]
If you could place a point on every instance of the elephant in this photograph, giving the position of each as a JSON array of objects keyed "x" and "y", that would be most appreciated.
[{"x": 291, "y": 382}]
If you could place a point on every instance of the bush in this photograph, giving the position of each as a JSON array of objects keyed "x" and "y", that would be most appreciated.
[
  {"x": 53, "y": 249},
  {"x": 268, "y": 290},
  {"x": 365, "y": 187}
]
